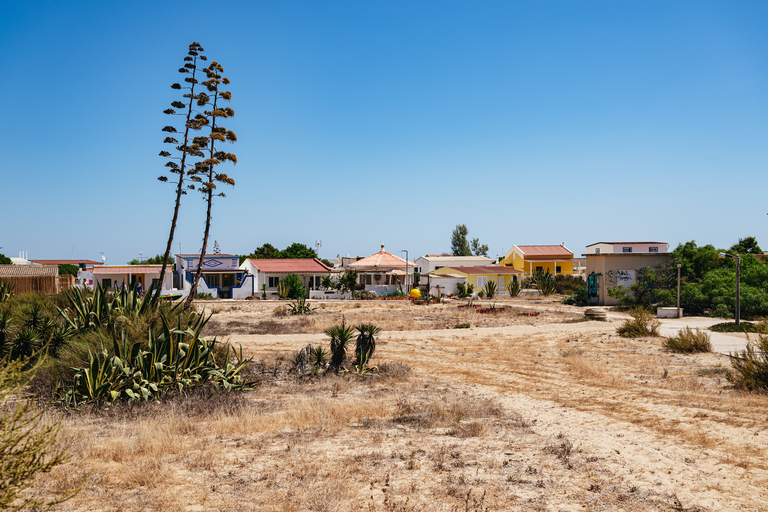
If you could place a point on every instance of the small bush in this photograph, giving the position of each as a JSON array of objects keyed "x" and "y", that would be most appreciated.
[
  {"x": 280, "y": 311},
  {"x": 641, "y": 324},
  {"x": 688, "y": 341},
  {"x": 203, "y": 296},
  {"x": 462, "y": 326},
  {"x": 579, "y": 298},
  {"x": 742, "y": 327},
  {"x": 568, "y": 284},
  {"x": 751, "y": 366},
  {"x": 490, "y": 289}
]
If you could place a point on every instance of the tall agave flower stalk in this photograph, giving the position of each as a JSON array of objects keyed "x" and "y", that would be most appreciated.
[
  {"x": 185, "y": 149},
  {"x": 206, "y": 173}
]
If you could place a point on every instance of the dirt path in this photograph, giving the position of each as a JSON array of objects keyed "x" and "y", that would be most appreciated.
[{"x": 659, "y": 421}]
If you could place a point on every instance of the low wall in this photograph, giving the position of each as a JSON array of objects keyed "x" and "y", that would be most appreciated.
[{"x": 328, "y": 294}]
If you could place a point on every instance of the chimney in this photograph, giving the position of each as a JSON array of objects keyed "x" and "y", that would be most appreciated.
[{"x": 382, "y": 247}]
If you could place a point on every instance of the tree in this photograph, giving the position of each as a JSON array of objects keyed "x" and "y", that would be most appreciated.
[
  {"x": 296, "y": 289},
  {"x": 216, "y": 249},
  {"x": 297, "y": 250},
  {"x": 154, "y": 260},
  {"x": 5, "y": 260},
  {"x": 747, "y": 245},
  {"x": 71, "y": 270},
  {"x": 185, "y": 150},
  {"x": 479, "y": 250},
  {"x": 206, "y": 173},
  {"x": 459, "y": 244}
]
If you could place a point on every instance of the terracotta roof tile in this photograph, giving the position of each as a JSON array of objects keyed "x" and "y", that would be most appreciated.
[
  {"x": 290, "y": 266},
  {"x": 545, "y": 250},
  {"x": 208, "y": 255},
  {"x": 381, "y": 259}
]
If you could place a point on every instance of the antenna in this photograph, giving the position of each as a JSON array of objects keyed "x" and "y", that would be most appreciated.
[
  {"x": 103, "y": 258},
  {"x": 318, "y": 245}
]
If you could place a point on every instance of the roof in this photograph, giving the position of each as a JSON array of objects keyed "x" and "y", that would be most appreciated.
[
  {"x": 545, "y": 250},
  {"x": 629, "y": 243},
  {"x": 67, "y": 262},
  {"x": 28, "y": 270},
  {"x": 550, "y": 260},
  {"x": 290, "y": 265},
  {"x": 489, "y": 269},
  {"x": 626, "y": 254},
  {"x": 208, "y": 255},
  {"x": 128, "y": 269},
  {"x": 381, "y": 259}
]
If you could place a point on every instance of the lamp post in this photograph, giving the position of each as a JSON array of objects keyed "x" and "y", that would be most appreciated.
[
  {"x": 738, "y": 272},
  {"x": 408, "y": 294},
  {"x": 678, "y": 289}
]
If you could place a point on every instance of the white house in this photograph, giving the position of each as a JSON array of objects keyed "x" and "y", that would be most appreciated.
[
  {"x": 627, "y": 247},
  {"x": 431, "y": 262},
  {"x": 221, "y": 275},
  {"x": 269, "y": 272}
]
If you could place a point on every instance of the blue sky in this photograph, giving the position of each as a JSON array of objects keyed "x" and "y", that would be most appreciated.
[{"x": 361, "y": 123}]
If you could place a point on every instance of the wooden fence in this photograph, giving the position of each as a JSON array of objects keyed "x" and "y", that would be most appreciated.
[
  {"x": 46, "y": 285},
  {"x": 66, "y": 281}
]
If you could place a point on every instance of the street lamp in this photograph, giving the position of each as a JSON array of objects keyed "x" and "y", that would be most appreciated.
[
  {"x": 738, "y": 295},
  {"x": 678, "y": 289},
  {"x": 406, "y": 272}
]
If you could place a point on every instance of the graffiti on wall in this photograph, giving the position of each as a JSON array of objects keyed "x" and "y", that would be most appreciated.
[{"x": 616, "y": 278}]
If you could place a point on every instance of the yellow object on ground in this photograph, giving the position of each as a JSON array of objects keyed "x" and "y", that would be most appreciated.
[{"x": 415, "y": 294}]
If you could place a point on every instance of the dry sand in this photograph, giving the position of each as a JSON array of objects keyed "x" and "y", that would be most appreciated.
[{"x": 515, "y": 413}]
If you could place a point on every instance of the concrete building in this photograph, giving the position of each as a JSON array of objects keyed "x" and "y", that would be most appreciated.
[
  {"x": 609, "y": 270},
  {"x": 431, "y": 262},
  {"x": 627, "y": 247}
]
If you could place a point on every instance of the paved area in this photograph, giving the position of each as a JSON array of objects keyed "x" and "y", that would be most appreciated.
[{"x": 722, "y": 342}]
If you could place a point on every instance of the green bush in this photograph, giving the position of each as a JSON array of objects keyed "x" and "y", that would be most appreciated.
[
  {"x": 688, "y": 341},
  {"x": 568, "y": 284},
  {"x": 641, "y": 324},
  {"x": 515, "y": 287},
  {"x": 751, "y": 366},
  {"x": 203, "y": 296},
  {"x": 578, "y": 298},
  {"x": 544, "y": 282},
  {"x": 296, "y": 290},
  {"x": 761, "y": 327}
]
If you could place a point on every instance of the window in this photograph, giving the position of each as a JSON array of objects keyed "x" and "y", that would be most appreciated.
[
  {"x": 539, "y": 269},
  {"x": 273, "y": 282},
  {"x": 653, "y": 249},
  {"x": 365, "y": 279},
  {"x": 557, "y": 270},
  {"x": 597, "y": 251},
  {"x": 106, "y": 283},
  {"x": 626, "y": 249},
  {"x": 228, "y": 280},
  {"x": 156, "y": 282},
  {"x": 212, "y": 280},
  {"x": 482, "y": 281}
]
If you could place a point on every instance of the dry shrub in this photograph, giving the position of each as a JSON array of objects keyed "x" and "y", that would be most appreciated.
[
  {"x": 280, "y": 311},
  {"x": 641, "y": 324},
  {"x": 751, "y": 366},
  {"x": 395, "y": 370},
  {"x": 688, "y": 341},
  {"x": 583, "y": 366}
]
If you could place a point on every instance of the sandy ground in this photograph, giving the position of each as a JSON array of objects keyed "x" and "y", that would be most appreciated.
[{"x": 517, "y": 412}]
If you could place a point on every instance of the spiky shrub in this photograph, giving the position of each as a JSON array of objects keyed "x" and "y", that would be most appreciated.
[
  {"x": 28, "y": 444},
  {"x": 283, "y": 289},
  {"x": 514, "y": 288},
  {"x": 301, "y": 307},
  {"x": 340, "y": 335},
  {"x": 206, "y": 173},
  {"x": 190, "y": 147},
  {"x": 688, "y": 340},
  {"x": 175, "y": 360},
  {"x": 545, "y": 282},
  {"x": 6, "y": 291},
  {"x": 490, "y": 289},
  {"x": 461, "y": 290},
  {"x": 366, "y": 342},
  {"x": 642, "y": 323},
  {"x": 751, "y": 366},
  {"x": 319, "y": 356}
]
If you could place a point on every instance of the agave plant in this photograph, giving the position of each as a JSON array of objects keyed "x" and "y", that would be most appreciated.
[
  {"x": 490, "y": 289},
  {"x": 300, "y": 307},
  {"x": 515, "y": 287},
  {"x": 545, "y": 282},
  {"x": 283, "y": 289},
  {"x": 366, "y": 343},
  {"x": 319, "y": 356},
  {"x": 174, "y": 360},
  {"x": 340, "y": 335},
  {"x": 6, "y": 291}
]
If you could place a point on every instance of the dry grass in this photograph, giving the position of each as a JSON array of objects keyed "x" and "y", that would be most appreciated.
[{"x": 539, "y": 416}]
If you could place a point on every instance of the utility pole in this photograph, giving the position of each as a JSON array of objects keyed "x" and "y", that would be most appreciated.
[{"x": 678, "y": 290}]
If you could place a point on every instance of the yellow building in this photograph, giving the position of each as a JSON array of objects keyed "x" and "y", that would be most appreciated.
[
  {"x": 479, "y": 276},
  {"x": 558, "y": 259}
]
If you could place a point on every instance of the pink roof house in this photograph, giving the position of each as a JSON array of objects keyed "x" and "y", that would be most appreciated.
[{"x": 383, "y": 269}]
